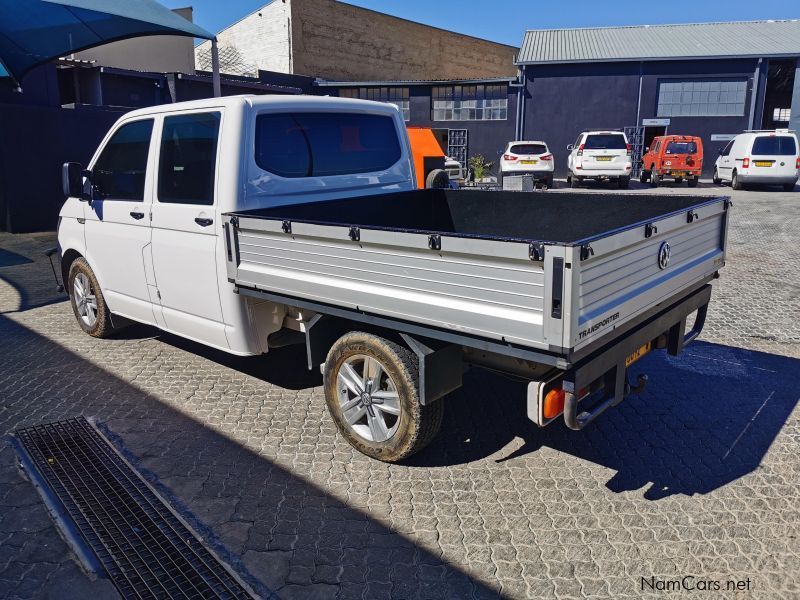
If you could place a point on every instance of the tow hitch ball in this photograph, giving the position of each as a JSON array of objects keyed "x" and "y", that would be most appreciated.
[{"x": 641, "y": 383}]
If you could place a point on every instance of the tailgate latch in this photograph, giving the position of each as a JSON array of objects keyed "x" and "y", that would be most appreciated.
[
  {"x": 649, "y": 230},
  {"x": 691, "y": 216},
  {"x": 536, "y": 251},
  {"x": 586, "y": 251}
]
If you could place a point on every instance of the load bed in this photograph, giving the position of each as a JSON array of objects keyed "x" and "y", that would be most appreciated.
[{"x": 552, "y": 272}]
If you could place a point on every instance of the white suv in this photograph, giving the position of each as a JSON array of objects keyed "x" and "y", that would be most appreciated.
[
  {"x": 599, "y": 155},
  {"x": 527, "y": 158},
  {"x": 759, "y": 157}
]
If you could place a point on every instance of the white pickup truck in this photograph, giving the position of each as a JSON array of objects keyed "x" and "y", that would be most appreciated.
[{"x": 249, "y": 223}]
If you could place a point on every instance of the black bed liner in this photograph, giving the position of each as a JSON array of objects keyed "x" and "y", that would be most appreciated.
[{"x": 565, "y": 218}]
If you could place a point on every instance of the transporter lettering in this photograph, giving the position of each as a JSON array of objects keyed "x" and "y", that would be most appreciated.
[{"x": 590, "y": 330}]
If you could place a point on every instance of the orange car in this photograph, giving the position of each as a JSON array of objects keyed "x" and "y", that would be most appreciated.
[{"x": 676, "y": 156}]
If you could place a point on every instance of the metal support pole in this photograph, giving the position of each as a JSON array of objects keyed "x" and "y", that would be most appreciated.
[
  {"x": 754, "y": 94},
  {"x": 215, "y": 82}
]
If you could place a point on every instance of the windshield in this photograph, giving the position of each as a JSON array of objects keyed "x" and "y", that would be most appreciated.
[
  {"x": 681, "y": 148},
  {"x": 605, "y": 141},
  {"x": 781, "y": 145},
  {"x": 528, "y": 149}
]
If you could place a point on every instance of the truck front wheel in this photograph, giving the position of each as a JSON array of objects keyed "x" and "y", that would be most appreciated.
[
  {"x": 372, "y": 392},
  {"x": 87, "y": 300}
]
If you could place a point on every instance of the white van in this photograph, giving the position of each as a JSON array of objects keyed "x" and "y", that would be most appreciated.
[
  {"x": 769, "y": 157},
  {"x": 600, "y": 155}
]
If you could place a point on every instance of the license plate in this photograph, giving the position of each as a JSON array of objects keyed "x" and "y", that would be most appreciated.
[
  {"x": 528, "y": 162},
  {"x": 603, "y": 158},
  {"x": 679, "y": 173},
  {"x": 763, "y": 163},
  {"x": 632, "y": 358}
]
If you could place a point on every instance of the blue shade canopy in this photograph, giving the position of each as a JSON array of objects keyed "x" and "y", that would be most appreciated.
[{"x": 33, "y": 32}]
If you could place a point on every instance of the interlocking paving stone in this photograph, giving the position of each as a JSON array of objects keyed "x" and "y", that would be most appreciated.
[{"x": 697, "y": 476}]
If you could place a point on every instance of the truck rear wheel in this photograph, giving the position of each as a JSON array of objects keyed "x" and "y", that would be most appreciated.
[
  {"x": 736, "y": 183},
  {"x": 87, "y": 300},
  {"x": 437, "y": 180},
  {"x": 655, "y": 179},
  {"x": 372, "y": 392},
  {"x": 693, "y": 181}
]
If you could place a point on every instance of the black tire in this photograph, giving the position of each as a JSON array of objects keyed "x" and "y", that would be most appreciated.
[
  {"x": 736, "y": 182},
  {"x": 500, "y": 178},
  {"x": 655, "y": 179},
  {"x": 679, "y": 180},
  {"x": 548, "y": 181},
  {"x": 693, "y": 182},
  {"x": 574, "y": 182},
  {"x": 101, "y": 327},
  {"x": 624, "y": 183},
  {"x": 644, "y": 176},
  {"x": 788, "y": 187},
  {"x": 569, "y": 180},
  {"x": 415, "y": 426},
  {"x": 715, "y": 178},
  {"x": 437, "y": 180}
]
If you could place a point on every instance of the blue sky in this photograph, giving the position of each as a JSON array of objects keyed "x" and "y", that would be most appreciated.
[{"x": 506, "y": 22}]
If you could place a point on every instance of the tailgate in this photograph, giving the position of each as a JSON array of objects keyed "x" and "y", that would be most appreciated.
[{"x": 624, "y": 274}]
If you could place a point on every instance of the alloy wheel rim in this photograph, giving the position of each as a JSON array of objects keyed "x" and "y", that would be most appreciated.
[
  {"x": 85, "y": 299},
  {"x": 368, "y": 398}
]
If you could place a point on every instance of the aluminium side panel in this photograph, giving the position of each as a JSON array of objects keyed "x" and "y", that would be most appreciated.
[
  {"x": 480, "y": 287},
  {"x": 631, "y": 272}
]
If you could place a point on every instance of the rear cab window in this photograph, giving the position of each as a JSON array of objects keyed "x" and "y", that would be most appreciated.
[
  {"x": 605, "y": 141},
  {"x": 528, "y": 149},
  {"x": 681, "y": 148},
  {"x": 774, "y": 145},
  {"x": 308, "y": 144}
]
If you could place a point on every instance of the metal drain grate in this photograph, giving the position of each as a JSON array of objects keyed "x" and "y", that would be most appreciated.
[{"x": 146, "y": 549}]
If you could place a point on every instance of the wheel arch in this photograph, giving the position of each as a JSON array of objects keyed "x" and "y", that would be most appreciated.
[{"x": 67, "y": 258}]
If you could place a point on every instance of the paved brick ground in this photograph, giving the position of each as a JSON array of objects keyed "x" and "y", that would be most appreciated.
[{"x": 698, "y": 476}]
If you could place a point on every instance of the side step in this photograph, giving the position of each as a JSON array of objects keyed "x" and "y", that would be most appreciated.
[{"x": 145, "y": 548}]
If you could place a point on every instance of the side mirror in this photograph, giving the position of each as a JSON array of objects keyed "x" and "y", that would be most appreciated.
[
  {"x": 570, "y": 147},
  {"x": 72, "y": 175},
  {"x": 647, "y": 149}
]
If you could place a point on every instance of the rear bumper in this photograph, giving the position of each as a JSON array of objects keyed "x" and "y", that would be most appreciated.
[
  {"x": 537, "y": 174},
  {"x": 770, "y": 179},
  {"x": 666, "y": 329}
]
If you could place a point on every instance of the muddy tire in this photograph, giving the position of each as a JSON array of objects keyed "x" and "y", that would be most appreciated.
[
  {"x": 372, "y": 391},
  {"x": 88, "y": 303}
]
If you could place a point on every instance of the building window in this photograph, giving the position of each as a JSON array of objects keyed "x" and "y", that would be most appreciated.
[
  {"x": 391, "y": 95},
  {"x": 470, "y": 103},
  {"x": 702, "y": 98},
  {"x": 782, "y": 115}
]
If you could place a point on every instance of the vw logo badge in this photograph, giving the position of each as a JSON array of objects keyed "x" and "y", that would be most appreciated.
[{"x": 663, "y": 255}]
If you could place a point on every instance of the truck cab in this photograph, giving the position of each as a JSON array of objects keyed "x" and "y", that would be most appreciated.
[
  {"x": 141, "y": 230},
  {"x": 679, "y": 157}
]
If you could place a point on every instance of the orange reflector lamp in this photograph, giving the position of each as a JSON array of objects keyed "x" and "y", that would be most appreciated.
[{"x": 553, "y": 403}]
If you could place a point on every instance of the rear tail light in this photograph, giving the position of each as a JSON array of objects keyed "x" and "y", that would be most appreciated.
[
  {"x": 797, "y": 164},
  {"x": 553, "y": 403},
  {"x": 546, "y": 157},
  {"x": 580, "y": 150},
  {"x": 509, "y": 157},
  {"x": 745, "y": 163},
  {"x": 628, "y": 149}
]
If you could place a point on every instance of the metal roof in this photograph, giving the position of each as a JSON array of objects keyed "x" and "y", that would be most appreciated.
[{"x": 657, "y": 42}]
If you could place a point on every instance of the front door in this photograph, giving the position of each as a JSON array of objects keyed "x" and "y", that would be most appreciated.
[
  {"x": 118, "y": 221},
  {"x": 185, "y": 227},
  {"x": 726, "y": 163}
]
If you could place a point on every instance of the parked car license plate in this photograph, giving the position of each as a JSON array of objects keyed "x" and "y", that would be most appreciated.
[
  {"x": 528, "y": 162},
  {"x": 603, "y": 158},
  {"x": 679, "y": 173},
  {"x": 640, "y": 352},
  {"x": 763, "y": 163}
]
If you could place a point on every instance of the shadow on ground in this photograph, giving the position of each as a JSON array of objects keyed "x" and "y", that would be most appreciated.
[{"x": 706, "y": 419}]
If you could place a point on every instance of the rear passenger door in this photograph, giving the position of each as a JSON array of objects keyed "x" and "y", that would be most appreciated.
[{"x": 185, "y": 227}]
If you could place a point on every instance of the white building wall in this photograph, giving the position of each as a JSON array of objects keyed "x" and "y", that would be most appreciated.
[{"x": 261, "y": 40}]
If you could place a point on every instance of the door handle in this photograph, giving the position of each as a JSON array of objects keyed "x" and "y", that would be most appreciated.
[
  {"x": 203, "y": 222},
  {"x": 137, "y": 215}
]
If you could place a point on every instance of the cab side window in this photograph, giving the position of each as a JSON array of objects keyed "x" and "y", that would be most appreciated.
[
  {"x": 119, "y": 172},
  {"x": 188, "y": 159}
]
